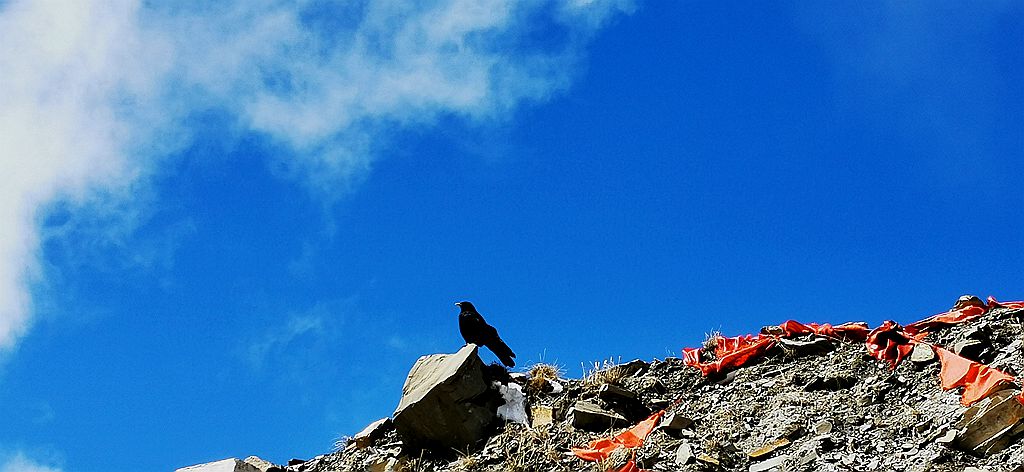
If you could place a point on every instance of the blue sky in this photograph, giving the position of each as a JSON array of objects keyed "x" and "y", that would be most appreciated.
[{"x": 231, "y": 230}]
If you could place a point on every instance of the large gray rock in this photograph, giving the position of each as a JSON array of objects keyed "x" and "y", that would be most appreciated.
[
  {"x": 590, "y": 417},
  {"x": 226, "y": 465},
  {"x": 372, "y": 432},
  {"x": 989, "y": 426},
  {"x": 263, "y": 465},
  {"x": 447, "y": 404}
]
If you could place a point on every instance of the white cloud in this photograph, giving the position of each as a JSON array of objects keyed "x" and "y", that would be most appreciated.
[
  {"x": 95, "y": 91},
  {"x": 277, "y": 341},
  {"x": 20, "y": 463}
]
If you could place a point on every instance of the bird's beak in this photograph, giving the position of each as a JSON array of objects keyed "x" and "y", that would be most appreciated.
[{"x": 458, "y": 304}]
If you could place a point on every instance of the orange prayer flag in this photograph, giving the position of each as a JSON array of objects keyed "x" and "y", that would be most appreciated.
[
  {"x": 978, "y": 380},
  {"x": 992, "y": 303},
  {"x": 957, "y": 316},
  {"x": 597, "y": 450},
  {"x": 635, "y": 436},
  {"x": 601, "y": 449},
  {"x": 629, "y": 467}
]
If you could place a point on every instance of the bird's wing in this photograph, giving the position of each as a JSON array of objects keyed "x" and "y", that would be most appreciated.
[{"x": 475, "y": 330}]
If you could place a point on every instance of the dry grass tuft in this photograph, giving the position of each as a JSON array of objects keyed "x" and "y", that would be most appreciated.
[
  {"x": 527, "y": 450},
  {"x": 541, "y": 375},
  {"x": 342, "y": 443},
  {"x": 607, "y": 371},
  {"x": 466, "y": 463},
  {"x": 711, "y": 340}
]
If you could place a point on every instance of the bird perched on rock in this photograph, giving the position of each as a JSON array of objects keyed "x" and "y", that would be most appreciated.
[{"x": 475, "y": 330}]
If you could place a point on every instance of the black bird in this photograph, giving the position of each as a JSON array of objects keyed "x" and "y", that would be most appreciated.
[{"x": 475, "y": 330}]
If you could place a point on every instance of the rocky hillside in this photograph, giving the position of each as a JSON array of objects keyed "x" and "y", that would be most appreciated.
[{"x": 812, "y": 401}]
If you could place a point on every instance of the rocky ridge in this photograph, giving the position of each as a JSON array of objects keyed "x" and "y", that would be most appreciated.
[{"x": 812, "y": 403}]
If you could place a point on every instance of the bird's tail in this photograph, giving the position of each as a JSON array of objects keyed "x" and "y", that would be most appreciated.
[{"x": 504, "y": 353}]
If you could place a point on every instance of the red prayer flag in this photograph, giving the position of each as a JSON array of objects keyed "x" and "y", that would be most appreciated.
[
  {"x": 978, "y": 380},
  {"x": 601, "y": 449}
]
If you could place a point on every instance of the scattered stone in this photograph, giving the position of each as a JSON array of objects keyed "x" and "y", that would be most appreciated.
[
  {"x": 814, "y": 345},
  {"x": 823, "y": 427},
  {"x": 970, "y": 348},
  {"x": 624, "y": 402},
  {"x": 708, "y": 460},
  {"x": 807, "y": 458},
  {"x": 226, "y": 465},
  {"x": 988, "y": 426},
  {"x": 767, "y": 449},
  {"x": 660, "y": 403},
  {"x": 389, "y": 464},
  {"x": 542, "y": 415},
  {"x": 514, "y": 409},
  {"x": 445, "y": 402},
  {"x": 673, "y": 423},
  {"x": 652, "y": 385},
  {"x": 770, "y": 464},
  {"x": 827, "y": 443},
  {"x": 832, "y": 383},
  {"x": 262, "y": 465},
  {"x": 727, "y": 379},
  {"x": 947, "y": 437},
  {"x": 968, "y": 300},
  {"x": 1006, "y": 354},
  {"x": 590, "y": 417},
  {"x": 372, "y": 432},
  {"x": 632, "y": 368},
  {"x": 922, "y": 354},
  {"x": 975, "y": 469},
  {"x": 615, "y": 394},
  {"x": 794, "y": 431},
  {"x": 684, "y": 453}
]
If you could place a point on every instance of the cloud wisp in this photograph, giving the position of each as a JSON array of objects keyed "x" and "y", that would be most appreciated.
[
  {"x": 21, "y": 463},
  {"x": 97, "y": 93},
  {"x": 276, "y": 342}
]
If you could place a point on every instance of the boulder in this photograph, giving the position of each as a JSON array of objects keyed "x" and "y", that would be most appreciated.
[
  {"x": 590, "y": 417},
  {"x": 263, "y": 465},
  {"x": 674, "y": 423},
  {"x": 226, "y": 465},
  {"x": 922, "y": 354},
  {"x": 684, "y": 454},
  {"x": 372, "y": 432},
  {"x": 447, "y": 404},
  {"x": 389, "y": 464},
  {"x": 542, "y": 415},
  {"x": 803, "y": 347},
  {"x": 968, "y": 300},
  {"x": 766, "y": 450},
  {"x": 774, "y": 463},
  {"x": 970, "y": 348},
  {"x": 624, "y": 402},
  {"x": 989, "y": 426},
  {"x": 633, "y": 367}
]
